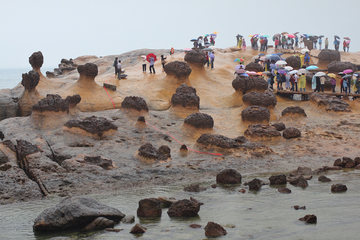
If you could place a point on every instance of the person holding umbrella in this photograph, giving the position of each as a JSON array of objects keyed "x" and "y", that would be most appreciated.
[
  {"x": 333, "y": 83},
  {"x": 302, "y": 82},
  {"x": 336, "y": 43},
  {"x": 151, "y": 58},
  {"x": 344, "y": 45}
]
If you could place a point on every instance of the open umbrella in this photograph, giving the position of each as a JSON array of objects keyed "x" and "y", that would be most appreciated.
[
  {"x": 207, "y": 49},
  {"x": 215, "y": 32},
  {"x": 279, "y": 54},
  {"x": 266, "y": 72},
  {"x": 291, "y": 36},
  {"x": 143, "y": 56},
  {"x": 282, "y": 71},
  {"x": 348, "y": 71},
  {"x": 274, "y": 57},
  {"x": 241, "y": 71},
  {"x": 264, "y": 35},
  {"x": 254, "y": 57},
  {"x": 321, "y": 36},
  {"x": 293, "y": 72},
  {"x": 261, "y": 54},
  {"x": 250, "y": 35},
  {"x": 347, "y": 76},
  {"x": 289, "y": 68},
  {"x": 252, "y": 73},
  {"x": 262, "y": 58},
  {"x": 281, "y": 62},
  {"x": 347, "y": 41},
  {"x": 312, "y": 67},
  {"x": 206, "y": 35},
  {"x": 296, "y": 33},
  {"x": 346, "y": 38},
  {"x": 331, "y": 75},
  {"x": 149, "y": 56},
  {"x": 193, "y": 40},
  {"x": 283, "y": 33},
  {"x": 240, "y": 66},
  {"x": 187, "y": 49},
  {"x": 237, "y": 60},
  {"x": 319, "y": 74},
  {"x": 341, "y": 73},
  {"x": 303, "y": 71},
  {"x": 336, "y": 36},
  {"x": 304, "y": 50}
]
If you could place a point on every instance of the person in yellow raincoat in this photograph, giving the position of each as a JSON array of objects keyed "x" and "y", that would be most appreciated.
[
  {"x": 301, "y": 59},
  {"x": 302, "y": 82},
  {"x": 240, "y": 43}
]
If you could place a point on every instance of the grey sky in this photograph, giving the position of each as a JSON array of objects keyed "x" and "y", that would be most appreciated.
[{"x": 72, "y": 28}]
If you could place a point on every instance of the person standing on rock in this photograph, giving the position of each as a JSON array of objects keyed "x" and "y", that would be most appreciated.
[
  {"x": 243, "y": 44},
  {"x": 119, "y": 69},
  {"x": 151, "y": 61},
  {"x": 296, "y": 81},
  {"x": 320, "y": 42},
  {"x": 115, "y": 66},
  {"x": 302, "y": 82},
  {"x": 307, "y": 60},
  {"x": 163, "y": 62},
  {"x": 313, "y": 83},
  {"x": 240, "y": 43},
  {"x": 336, "y": 44},
  {"x": 357, "y": 84},
  {"x": 344, "y": 45},
  {"x": 326, "y": 43},
  {"x": 144, "y": 65},
  {"x": 212, "y": 58},
  {"x": 347, "y": 45},
  {"x": 322, "y": 83},
  {"x": 207, "y": 59}
]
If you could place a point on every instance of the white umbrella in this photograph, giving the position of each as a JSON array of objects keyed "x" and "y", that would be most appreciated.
[
  {"x": 303, "y": 71},
  {"x": 281, "y": 62},
  {"x": 293, "y": 72},
  {"x": 239, "y": 67},
  {"x": 304, "y": 50},
  {"x": 289, "y": 68},
  {"x": 254, "y": 57},
  {"x": 319, "y": 74}
]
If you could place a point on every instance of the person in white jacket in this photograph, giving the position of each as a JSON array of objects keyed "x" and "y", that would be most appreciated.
[{"x": 119, "y": 69}]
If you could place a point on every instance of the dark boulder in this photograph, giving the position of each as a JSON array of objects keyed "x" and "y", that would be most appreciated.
[
  {"x": 259, "y": 84},
  {"x": 99, "y": 223},
  {"x": 52, "y": 103},
  {"x": 348, "y": 163},
  {"x": 148, "y": 151},
  {"x": 279, "y": 126},
  {"x": 30, "y": 80},
  {"x": 245, "y": 84},
  {"x": 104, "y": 163},
  {"x": 255, "y": 114},
  {"x": 194, "y": 225},
  {"x": 339, "y": 66},
  {"x": 338, "y": 162},
  {"x": 184, "y": 208},
  {"x": 278, "y": 179},
  {"x": 178, "y": 69},
  {"x": 265, "y": 99},
  {"x": 196, "y": 58},
  {"x": 338, "y": 188},
  {"x": 164, "y": 152},
  {"x": 331, "y": 103},
  {"x": 293, "y": 110},
  {"x": 241, "y": 139},
  {"x": 228, "y": 176},
  {"x": 74, "y": 213},
  {"x": 323, "y": 178},
  {"x": 328, "y": 55},
  {"x": 89, "y": 69},
  {"x": 357, "y": 161},
  {"x": 93, "y": 124},
  {"x": 299, "y": 181},
  {"x": 254, "y": 184},
  {"x": 149, "y": 207},
  {"x": 291, "y": 132},
  {"x": 213, "y": 230},
  {"x": 215, "y": 140},
  {"x": 262, "y": 131},
  {"x": 284, "y": 190},
  {"x": 73, "y": 100},
  {"x": 293, "y": 61},
  {"x": 256, "y": 67},
  {"x": 36, "y": 60},
  {"x": 309, "y": 219},
  {"x": 133, "y": 102},
  {"x": 185, "y": 96},
  {"x": 200, "y": 120},
  {"x": 138, "y": 229},
  {"x": 9, "y": 106}
]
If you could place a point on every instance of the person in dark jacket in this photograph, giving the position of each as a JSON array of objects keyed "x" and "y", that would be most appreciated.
[
  {"x": 163, "y": 61},
  {"x": 115, "y": 66}
]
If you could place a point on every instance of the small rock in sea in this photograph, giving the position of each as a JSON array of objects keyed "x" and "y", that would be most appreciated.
[
  {"x": 194, "y": 225},
  {"x": 194, "y": 188},
  {"x": 138, "y": 229},
  {"x": 338, "y": 188},
  {"x": 284, "y": 190},
  {"x": 309, "y": 218},
  {"x": 214, "y": 185},
  {"x": 213, "y": 230},
  {"x": 228, "y": 176},
  {"x": 255, "y": 184},
  {"x": 228, "y": 226},
  {"x": 128, "y": 219},
  {"x": 242, "y": 190},
  {"x": 299, "y": 181},
  {"x": 297, "y": 207},
  {"x": 113, "y": 229},
  {"x": 278, "y": 179},
  {"x": 323, "y": 178}
]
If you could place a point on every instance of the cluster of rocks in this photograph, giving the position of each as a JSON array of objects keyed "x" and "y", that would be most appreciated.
[
  {"x": 149, "y": 151},
  {"x": 93, "y": 125},
  {"x": 245, "y": 84},
  {"x": 65, "y": 66},
  {"x": 54, "y": 103},
  {"x": 268, "y": 132},
  {"x": 256, "y": 114},
  {"x": 186, "y": 97},
  {"x": 331, "y": 103},
  {"x": 347, "y": 162}
]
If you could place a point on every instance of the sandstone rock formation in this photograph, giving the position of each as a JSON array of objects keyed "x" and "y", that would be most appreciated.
[
  {"x": 30, "y": 95},
  {"x": 329, "y": 55},
  {"x": 293, "y": 61},
  {"x": 134, "y": 102},
  {"x": 96, "y": 126},
  {"x": 256, "y": 67},
  {"x": 180, "y": 70},
  {"x": 200, "y": 120},
  {"x": 195, "y": 58},
  {"x": 186, "y": 97},
  {"x": 293, "y": 110},
  {"x": 256, "y": 114},
  {"x": 262, "y": 131},
  {"x": 36, "y": 61},
  {"x": 339, "y": 66},
  {"x": 331, "y": 103},
  {"x": 65, "y": 66},
  {"x": 264, "y": 99},
  {"x": 244, "y": 84}
]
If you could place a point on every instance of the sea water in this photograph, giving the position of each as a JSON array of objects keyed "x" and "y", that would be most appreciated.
[
  {"x": 265, "y": 214},
  {"x": 9, "y": 78}
]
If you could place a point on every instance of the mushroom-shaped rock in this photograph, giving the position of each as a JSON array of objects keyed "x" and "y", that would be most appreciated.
[
  {"x": 184, "y": 208},
  {"x": 213, "y": 230},
  {"x": 216, "y": 140},
  {"x": 200, "y": 120},
  {"x": 134, "y": 102},
  {"x": 30, "y": 95},
  {"x": 245, "y": 84},
  {"x": 195, "y": 58},
  {"x": 254, "y": 184},
  {"x": 328, "y": 55},
  {"x": 185, "y": 96},
  {"x": 293, "y": 61},
  {"x": 279, "y": 126},
  {"x": 331, "y": 103},
  {"x": 291, "y": 132},
  {"x": 256, "y": 67},
  {"x": 259, "y": 84},
  {"x": 148, "y": 151},
  {"x": 228, "y": 176},
  {"x": 164, "y": 152},
  {"x": 74, "y": 213},
  {"x": 255, "y": 114},
  {"x": 52, "y": 103},
  {"x": 149, "y": 207},
  {"x": 338, "y": 188},
  {"x": 36, "y": 60},
  {"x": 177, "y": 69},
  {"x": 293, "y": 110},
  {"x": 93, "y": 125},
  {"x": 278, "y": 179},
  {"x": 88, "y": 70},
  {"x": 265, "y": 99},
  {"x": 339, "y": 66},
  {"x": 262, "y": 131},
  {"x": 30, "y": 80}
]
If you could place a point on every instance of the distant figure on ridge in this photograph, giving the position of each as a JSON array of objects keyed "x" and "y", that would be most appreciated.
[
  {"x": 152, "y": 61},
  {"x": 115, "y": 66},
  {"x": 212, "y": 58},
  {"x": 144, "y": 65},
  {"x": 163, "y": 62},
  {"x": 119, "y": 69},
  {"x": 326, "y": 43}
]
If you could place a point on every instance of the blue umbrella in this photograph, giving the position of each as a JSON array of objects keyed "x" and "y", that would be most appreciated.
[
  {"x": 193, "y": 40},
  {"x": 279, "y": 54},
  {"x": 312, "y": 67},
  {"x": 261, "y": 54},
  {"x": 274, "y": 57}
]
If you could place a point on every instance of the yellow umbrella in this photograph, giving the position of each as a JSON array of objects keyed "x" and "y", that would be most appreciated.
[
  {"x": 250, "y": 35},
  {"x": 215, "y": 32},
  {"x": 331, "y": 75}
]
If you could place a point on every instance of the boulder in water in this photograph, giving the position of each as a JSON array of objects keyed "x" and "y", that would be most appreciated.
[
  {"x": 213, "y": 230},
  {"x": 184, "y": 208},
  {"x": 228, "y": 176},
  {"x": 149, "y": 207}
]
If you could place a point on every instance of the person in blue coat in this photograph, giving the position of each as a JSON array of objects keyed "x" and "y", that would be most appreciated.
[{"x": 307, "y": 59}]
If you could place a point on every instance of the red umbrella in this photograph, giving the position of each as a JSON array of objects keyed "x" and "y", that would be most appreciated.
[
  {"x": 149, "y": 56},
  {"x": 346, "y": 38}
]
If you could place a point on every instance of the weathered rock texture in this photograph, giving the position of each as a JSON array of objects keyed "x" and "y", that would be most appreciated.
[
  {"x": 256, "y": 67},
  {"x": 331, "y": 103},
  {"x": 338, "y": 188},
  {"x": 93, "y": 125},
  {"x": 265, "y": 99},
  {"x": 149, "y": 151},
  {"x": 36, "y": 60},
  {"x": 195, "y": 58},
  {"x": 228, "y": 176},
  {"x": 328, "y": 55},
  {"x": 278, "y": 179},
  {"x": 291, "y": 132},
  {"x": 180, "y": 70},
  {"x": 52, "y": 103},
  {"x": 262, "y": 131},
  {"x": 213, "y": 230},
  {"x": 244, "y": 84},
  {"x": 30, "y": 80},
  {"x": 30, "y": 95},
  {"x": 215, "y": 140},
  {"x": 149, "y": 207},
  {"x": 279, "y": 126},
  {"x": 293, "y": 110},
  {"x": 185, "y": 96},
  {"x": 200, "y": 120},
  {"x": 293, "y": 61},
  {"x": 134, "y": 102},
  {"x": 339, "y": 66},
  {"x": 184, "y": 208},
  {"x": 256, "y": 114}
]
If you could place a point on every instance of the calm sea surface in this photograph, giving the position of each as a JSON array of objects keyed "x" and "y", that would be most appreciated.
[{"x": 9, "y": 78}]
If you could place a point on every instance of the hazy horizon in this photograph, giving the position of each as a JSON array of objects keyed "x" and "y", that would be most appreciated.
[{"x": 69, "y": 29}]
